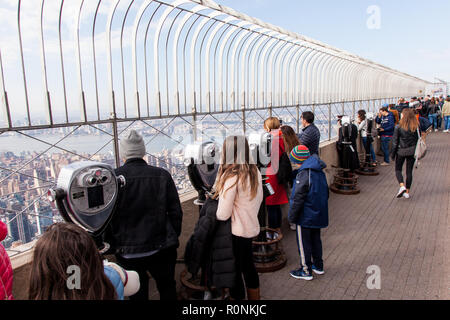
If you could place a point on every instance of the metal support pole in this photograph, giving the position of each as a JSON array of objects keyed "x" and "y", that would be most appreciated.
[
  {"x": 329, "y": 122},
  {"x": 354, "y": 110},
  {"x": 298, "y": 119},
  {"x": 116, "y": 140}
]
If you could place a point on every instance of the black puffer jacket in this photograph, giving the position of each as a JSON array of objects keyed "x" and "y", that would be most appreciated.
[
  {"x": 210, "y": 248},
  {"x": 149, "y": 215},
  {"x": 404, "y": 142}
]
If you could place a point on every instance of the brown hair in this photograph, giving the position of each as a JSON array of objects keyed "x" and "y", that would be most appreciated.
[
  {"x": 235, "y": 163},
  {"x": 61, "y": 246},
  {"x": 272, "y": 123},
  {"x": 409, "y": 121},
  {"x": 290, "y": 138},
  {"x": 448, "y": 99},
  {"x": 362, "y": 114}
]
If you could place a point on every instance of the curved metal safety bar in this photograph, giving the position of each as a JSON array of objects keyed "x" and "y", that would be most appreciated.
[{"x": 210, "y": 56}]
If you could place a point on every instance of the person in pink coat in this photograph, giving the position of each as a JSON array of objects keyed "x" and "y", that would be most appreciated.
[{"x": 6, "y": 272}]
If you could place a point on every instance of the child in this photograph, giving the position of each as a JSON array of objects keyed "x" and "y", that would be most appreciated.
[
  {"x": 6, "y": 272},
  {"x": 308, "y": 209},
  {"x": 62, "y": 250}
]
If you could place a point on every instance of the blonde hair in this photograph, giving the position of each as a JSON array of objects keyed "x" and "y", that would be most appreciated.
[
  {"x": 272, "y": 123},
  {"x": 409, "y": 122}
]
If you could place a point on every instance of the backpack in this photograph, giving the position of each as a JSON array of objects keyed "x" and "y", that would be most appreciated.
[{"x": 284, "y": 174}]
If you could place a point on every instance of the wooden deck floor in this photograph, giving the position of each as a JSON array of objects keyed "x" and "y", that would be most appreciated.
[{"x": 408, "y": 239}]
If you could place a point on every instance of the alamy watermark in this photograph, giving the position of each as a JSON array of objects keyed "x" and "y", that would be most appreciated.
[
  {"x": 374, "y": 20},
  {"x": 74, "y": 279},
  {"x": 374, "y": 280}
]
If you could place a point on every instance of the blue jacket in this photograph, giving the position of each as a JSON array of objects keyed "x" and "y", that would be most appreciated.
[
  {"x": 310, "y": 137},
  {"x": 387, "y": 123},
  {"x": 115, "y": 279},
  {"x": 308, "y": 206},
  {"x": 424, "y": 124}
]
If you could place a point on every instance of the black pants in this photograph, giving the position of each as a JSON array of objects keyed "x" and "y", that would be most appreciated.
[
  {"x": 161, "y": 266},
  {"x": 243, "y": 254},
  {"x": 274, "y": 216},
  {"x": 399, "y": 161},
  {"x": 309, "y": 245}
]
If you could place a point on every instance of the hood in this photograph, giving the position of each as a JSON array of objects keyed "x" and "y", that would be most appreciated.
[
  {"x": 3, "y": 231},
  {"x": 313, "y": 163}
]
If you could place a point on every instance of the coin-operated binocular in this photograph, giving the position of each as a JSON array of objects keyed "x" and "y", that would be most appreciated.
[
  {"x": 86, "y": 195},
  {"x": 202, "y": 162},
  {"x": 345, "y": 181},
  {"x": 268, "y": 255},
  {"x": 368, "y": 165},
  {"x": 260, "y": 145}
]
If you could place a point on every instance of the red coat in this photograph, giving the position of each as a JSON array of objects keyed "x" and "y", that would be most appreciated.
[
  {"x": 6, "y": 272},
  {"x": 280, "y": 196}
]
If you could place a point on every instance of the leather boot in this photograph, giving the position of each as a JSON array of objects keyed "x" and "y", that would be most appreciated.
[{"x": 253, "y": 294}]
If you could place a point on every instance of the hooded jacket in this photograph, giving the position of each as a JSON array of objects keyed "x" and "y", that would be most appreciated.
[
  {"x": 6, "y": 272},
  {"x": 308, "y": 206},
  {"x": 210, "y": 248}
]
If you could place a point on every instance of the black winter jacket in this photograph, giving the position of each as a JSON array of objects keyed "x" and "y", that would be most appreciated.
[
  {"x": 210, "y": 248},
  {"x": 148, "y": 215},
  {"x": 310, "y": 137},
  {"x": 404, "y": 142}
]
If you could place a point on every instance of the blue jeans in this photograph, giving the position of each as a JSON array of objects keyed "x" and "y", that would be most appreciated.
[
  {"x": 447, "y": 122},
  {"x": 372, "y": 153},
  {"x": 385, "y": 147},
  {"x": 433, "y": 120}
]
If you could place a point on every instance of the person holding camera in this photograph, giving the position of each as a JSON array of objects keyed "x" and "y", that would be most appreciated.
[{"x": 386, "y": 121}]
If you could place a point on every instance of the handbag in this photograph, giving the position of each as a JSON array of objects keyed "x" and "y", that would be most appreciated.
[{"x": 421, "y": 149}]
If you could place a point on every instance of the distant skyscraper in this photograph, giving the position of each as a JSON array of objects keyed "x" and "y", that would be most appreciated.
[
  {"x": 44, "y": 217},
  {"x": 19, "y": 227}
]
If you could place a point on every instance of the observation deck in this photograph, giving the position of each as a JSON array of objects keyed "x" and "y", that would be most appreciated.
[
  {"x": 407, "y": 239},
  {"x": 76, "y": 76}
]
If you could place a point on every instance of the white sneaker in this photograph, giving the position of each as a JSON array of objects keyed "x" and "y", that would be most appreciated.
[
  {"x": 406, "y": 195},
  {"x": 436, "y": 130},
  {"x": 293, "y": 226},
  {"x": 401, "y": 192}
]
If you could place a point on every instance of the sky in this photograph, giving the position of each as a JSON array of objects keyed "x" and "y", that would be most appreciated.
[
  {"x": 409, "y": 36},
  {"x": 413, "y": 35}
]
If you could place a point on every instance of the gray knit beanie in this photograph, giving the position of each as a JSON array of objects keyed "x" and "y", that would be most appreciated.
[{"x": 132, "y": 146}]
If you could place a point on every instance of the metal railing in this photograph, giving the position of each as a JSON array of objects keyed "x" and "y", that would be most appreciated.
[{"x": 76, "y": 73}]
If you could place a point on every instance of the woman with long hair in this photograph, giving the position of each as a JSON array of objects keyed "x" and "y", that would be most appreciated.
[
  {"x": 62, "y": 250},
  {"x": 239, "y": 190},
  {"x": 274, "y": 202},
  {"x": 404, "y": 143},
  {"x": 290, "y": 138}
]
